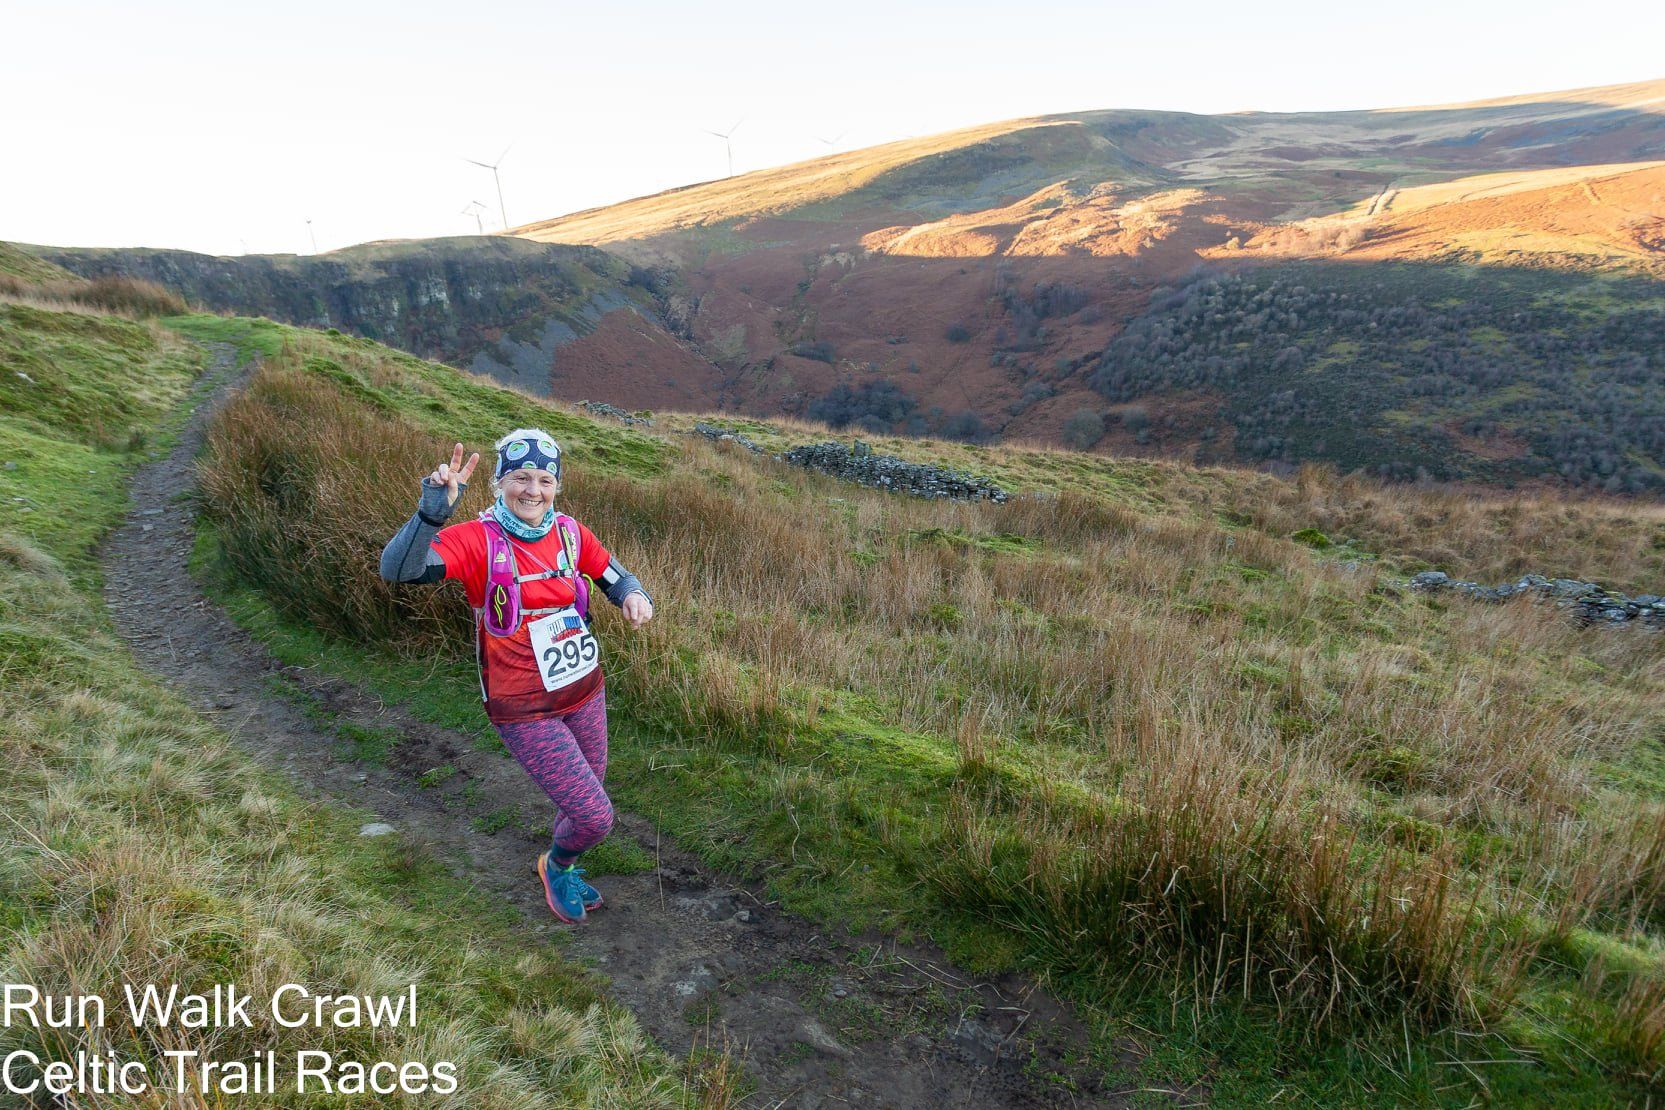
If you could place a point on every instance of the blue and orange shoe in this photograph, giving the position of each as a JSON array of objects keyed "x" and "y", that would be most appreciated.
[
  {"x": 563, "y": 889},
  {"x": 590, "y": 895}
]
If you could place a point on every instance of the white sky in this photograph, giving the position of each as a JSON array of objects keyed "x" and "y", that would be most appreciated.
[{"x": 224, "y": 127}]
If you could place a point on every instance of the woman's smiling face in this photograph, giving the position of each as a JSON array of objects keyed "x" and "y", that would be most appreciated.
[{"x": 529, "y": 494}]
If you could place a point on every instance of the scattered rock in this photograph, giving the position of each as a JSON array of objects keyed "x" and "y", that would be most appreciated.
[
  {"x": 723, "y": 435},
  {"x": 978, "y": 1041},
  {"x": 1589, "y": 602},
  {"x": 602, "y": 408},
  {"x": 375, "y": 828},
  {"x": 812, "y": 1033},
  {"x": 698, "y": 981},
  {"x": 861, "y": 466}
]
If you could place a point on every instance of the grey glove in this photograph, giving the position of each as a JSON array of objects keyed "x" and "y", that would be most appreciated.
[
  {"x": 434, "y": 507},
  {"x": 407, "y": 556}
]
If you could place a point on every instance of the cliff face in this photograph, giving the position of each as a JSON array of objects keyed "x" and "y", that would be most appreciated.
[{"x": 498, "y": 306}]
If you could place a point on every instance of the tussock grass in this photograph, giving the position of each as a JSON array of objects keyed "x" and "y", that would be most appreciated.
[
  {"x": 133, "y": 298},
  {"x": 1141, "y": 742},
  {"x": 1481, "y": 533}
]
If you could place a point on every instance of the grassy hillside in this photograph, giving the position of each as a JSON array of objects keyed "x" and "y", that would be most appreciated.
[
  {"x": 1453, "y": 372},
  {"x": 972, "y": 168},
  {"x": 523, "y": 312},
  {"x": 141, "y": 845},
  {"x": 25, "y": 267},
  {"x": 1275, "y": 823},
  {"x": 83, "y": 396}
]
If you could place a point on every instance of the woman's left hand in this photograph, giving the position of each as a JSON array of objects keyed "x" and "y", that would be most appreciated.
[{"x": 637, "y": 609}]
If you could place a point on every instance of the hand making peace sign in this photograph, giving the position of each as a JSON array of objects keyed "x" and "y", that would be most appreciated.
[{"x": 455, "y": 474}]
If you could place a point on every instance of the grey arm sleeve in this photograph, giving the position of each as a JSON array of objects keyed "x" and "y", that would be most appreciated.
[
  {"x": 407, "y": 556},
  {"x": 620, "y": 583}
]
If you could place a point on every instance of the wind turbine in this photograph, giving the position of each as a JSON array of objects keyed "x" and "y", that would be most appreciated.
[
  {"x": 834, "y": 140},
  {"x": 313, "y": 236},
  {"x": 492, "y": 166},
  {"x": 474, "y": 209},
  {"x": 727, "y": 145}
]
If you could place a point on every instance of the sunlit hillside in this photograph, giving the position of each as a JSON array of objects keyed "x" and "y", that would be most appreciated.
[
  {"x": 976, "y": 283},
  {"x": 1020, "y": 280},
  {"x": 1255, "y": 154}
]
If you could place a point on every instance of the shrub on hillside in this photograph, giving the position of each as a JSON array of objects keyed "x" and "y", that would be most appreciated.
[
  {"x": 957, "y": 333},
  {"x": 1033, "y": 394},
  {"x": 1025, "y": 329},
  {"x": 261, "y": 480},
  {"x": 132, "y": 296},
  {"x": 878, "y": 405},
  {"x": 966, "y": 425},
  {"x": 1311, "y": 361},
  {"x": 1084, "y": 428},
  {"x": 820, "y": 350}
]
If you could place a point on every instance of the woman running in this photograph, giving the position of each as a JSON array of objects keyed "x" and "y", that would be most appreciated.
[{"x": 522, "y": 565}]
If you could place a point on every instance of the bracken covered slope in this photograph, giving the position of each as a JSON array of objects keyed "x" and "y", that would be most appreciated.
[{"x": 972, "y": 283}]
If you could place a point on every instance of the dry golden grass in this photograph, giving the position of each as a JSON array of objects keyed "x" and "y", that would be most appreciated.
[
  {"x": 771, "y": 190},
  {"x": 132, "y": 298},
  {"x": 1201, "y": 746}
]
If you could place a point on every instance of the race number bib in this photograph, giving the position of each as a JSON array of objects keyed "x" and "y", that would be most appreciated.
[{"x": 565, "y": 648}]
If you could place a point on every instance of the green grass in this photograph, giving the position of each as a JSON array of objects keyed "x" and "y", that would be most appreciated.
[
  {"x": 82, "y": 397},
  {"x": 25, "y": 266},
  {"x": 250, "y": 336},
  {"x": 452, "y": 405},
  {"x": 142, "y": 845}
]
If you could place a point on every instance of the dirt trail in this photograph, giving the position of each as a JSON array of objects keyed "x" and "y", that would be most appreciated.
[{"x": 700, "y": 958}]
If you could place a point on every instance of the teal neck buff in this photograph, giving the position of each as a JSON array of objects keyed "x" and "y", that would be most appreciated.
[{"x": 518, "y": 528}]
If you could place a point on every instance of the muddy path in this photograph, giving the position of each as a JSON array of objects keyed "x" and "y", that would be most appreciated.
[{"x": 817, "y": 1018}]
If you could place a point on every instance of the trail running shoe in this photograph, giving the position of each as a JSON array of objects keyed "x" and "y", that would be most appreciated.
[
  {"x": 563, "y": 890},
  {"x": 590, "y": 895}
]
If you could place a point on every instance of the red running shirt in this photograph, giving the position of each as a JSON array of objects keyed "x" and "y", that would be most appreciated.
[{"x": 509, "y": 671}]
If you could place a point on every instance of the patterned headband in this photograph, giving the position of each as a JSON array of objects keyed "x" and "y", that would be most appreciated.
[{"x": 529, "y": 453}]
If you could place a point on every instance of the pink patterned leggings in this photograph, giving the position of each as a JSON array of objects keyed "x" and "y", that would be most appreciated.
[{"x": 567, "y": 757}]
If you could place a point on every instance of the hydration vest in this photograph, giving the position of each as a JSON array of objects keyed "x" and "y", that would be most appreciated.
[{"x": 501, "y": 614}]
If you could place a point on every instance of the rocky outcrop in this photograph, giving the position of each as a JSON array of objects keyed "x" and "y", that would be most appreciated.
[
  {"x": 602, "y": 408},
  {"x": 860, "y": 465},
  {"x": 499, "y": 306},
  {"x": 1589, "y": 601},
  {"x": 723, "y": 435}
]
